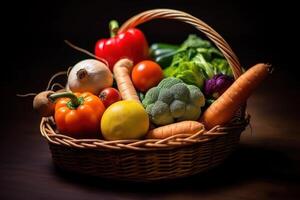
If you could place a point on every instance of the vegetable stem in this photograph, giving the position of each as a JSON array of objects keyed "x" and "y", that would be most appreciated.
[
  {"x": 113, "y": 28},
  {"x": 72, "y": 104}
]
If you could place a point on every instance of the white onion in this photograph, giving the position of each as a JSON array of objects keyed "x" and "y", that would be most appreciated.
[{"x": 89, "y": 76}]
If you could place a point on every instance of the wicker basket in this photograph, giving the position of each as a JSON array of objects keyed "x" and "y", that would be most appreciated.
[{"x": 151, "y": 159}]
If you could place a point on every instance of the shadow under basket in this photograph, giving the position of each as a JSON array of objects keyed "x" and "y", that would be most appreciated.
[{"x": 152, "y": 159}]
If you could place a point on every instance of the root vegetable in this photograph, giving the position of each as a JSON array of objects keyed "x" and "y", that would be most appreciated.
[
  {"x": 43, "y": 105},
  {"x": 122, "y": 71},
  {"x": 89, "y": 76},
  {"x": 224, "y": 108},
  {"x": 184, "y": 127}
]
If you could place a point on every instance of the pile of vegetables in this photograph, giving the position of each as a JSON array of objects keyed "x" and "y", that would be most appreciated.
[{"x": 160, "y": 91}]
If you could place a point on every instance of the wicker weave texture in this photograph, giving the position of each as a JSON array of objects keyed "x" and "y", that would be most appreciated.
[{"x": 146, "y": 165}]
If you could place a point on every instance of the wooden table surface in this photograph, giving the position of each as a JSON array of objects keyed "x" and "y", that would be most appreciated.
[{"x": 266, "y": 164}]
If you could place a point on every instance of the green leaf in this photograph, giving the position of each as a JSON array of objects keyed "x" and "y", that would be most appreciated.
[
  {"x": 195, "y": 42},
  {"x": 197, "y": 60}
]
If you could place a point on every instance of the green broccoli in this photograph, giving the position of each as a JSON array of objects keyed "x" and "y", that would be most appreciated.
[
  {"x": 165, "y": 96},
  {"x": 180, "y": 92},
  {"x": 177, "y": 108},
  {"x": 151, "y": 96},
  {"x": 168, "y": 82},
  {"x": 160, "y": 113},
  {"x": 196, "y": 95},
  {"x": 192, "y": 112},
  {"x": 172, "y": 100}
]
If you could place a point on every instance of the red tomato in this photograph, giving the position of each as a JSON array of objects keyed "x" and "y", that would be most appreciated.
[
  {"x": 109, "y": 96},
  {"x": 146, "y": 74}
]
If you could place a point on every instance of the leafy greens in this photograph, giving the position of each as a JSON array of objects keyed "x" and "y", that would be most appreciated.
[{"x": 196, "y": 61}]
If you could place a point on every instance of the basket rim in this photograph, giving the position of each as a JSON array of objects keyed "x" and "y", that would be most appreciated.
[{"x": 47, "y": 129}]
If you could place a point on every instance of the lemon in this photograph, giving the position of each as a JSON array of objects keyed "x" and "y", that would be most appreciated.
[{"x": 123, "y": 120}]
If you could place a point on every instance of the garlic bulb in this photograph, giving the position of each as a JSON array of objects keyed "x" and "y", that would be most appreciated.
[{"x": 89, "y": 75}]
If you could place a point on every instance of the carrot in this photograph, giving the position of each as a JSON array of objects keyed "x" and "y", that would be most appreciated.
[
  {"x": 122, "y": 70},
  {"x": 186, "y": 127},
  {"x": 225, "y": 107}
]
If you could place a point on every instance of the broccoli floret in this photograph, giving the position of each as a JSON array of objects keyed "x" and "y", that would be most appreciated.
[
  {"x": 165, "y": 96},
  {"x": 160, "y": 113},
  {"x": 172, "y": 100},
  {"x": 181, "y": 92},
  {"x": 151, "y": 96},
  {"x": 196, "y": 96},
  {"x": 192, "y": 112},
  {"x": 149, "y": 108},
  {"x": 168, "y": 82},
  {"x": 177, "y": 108}
]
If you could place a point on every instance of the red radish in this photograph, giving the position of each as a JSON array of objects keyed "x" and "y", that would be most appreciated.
[{"x": 109, "y": 96}]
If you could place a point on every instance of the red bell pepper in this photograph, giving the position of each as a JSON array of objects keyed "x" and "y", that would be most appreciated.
[{"x": 130, "y": 44}]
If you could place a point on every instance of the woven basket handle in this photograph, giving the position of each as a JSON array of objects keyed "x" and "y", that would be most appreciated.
[{"x": 197, "y": 23}]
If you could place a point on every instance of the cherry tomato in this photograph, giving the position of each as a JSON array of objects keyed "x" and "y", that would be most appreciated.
[
  {"x": 109, "y": 96},
  {"x": 146, "y": 74}
]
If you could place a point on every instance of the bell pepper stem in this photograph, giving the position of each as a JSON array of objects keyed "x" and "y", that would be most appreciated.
[
  {"x": 113, "y": 28},
  {"x": 75, "y": 101}
]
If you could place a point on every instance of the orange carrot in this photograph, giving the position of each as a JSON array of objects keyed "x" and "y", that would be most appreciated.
[
  {"x": 225, "y": 107},
  {"x": 122, "y": 70},
  {"x": 186, "y": 127}
]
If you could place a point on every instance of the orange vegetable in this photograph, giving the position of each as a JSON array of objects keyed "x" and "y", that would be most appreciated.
[
  {"x": 77, "y": 114},
  {"x": 122, "y": 70},
  {"x": 225, "y": 107},
  {"x": 186, "y": 127}
]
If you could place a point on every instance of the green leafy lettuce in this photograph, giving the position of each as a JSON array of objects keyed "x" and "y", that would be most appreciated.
[{"x": 197, "y": 60}]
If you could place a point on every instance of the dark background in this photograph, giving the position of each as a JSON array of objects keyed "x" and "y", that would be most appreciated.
[
  {"x": 34, "y": 31},
  {"x": 266, "y": 165}
]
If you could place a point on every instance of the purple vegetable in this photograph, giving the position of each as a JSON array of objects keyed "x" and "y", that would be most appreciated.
[{"x": 214, "y": 87}]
